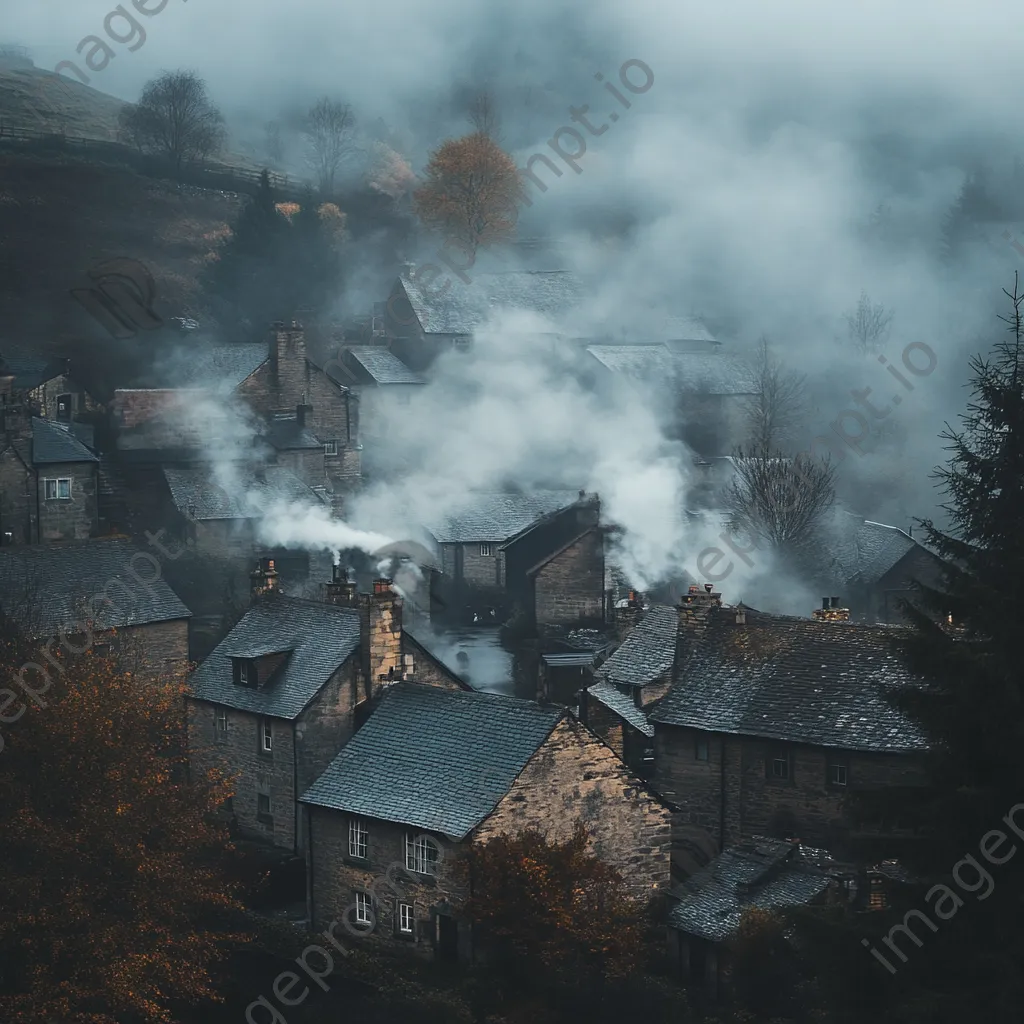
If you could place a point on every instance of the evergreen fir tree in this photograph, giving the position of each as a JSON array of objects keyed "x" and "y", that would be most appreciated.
[
  {"x": 973, "y": 711},
  {"x": 244, "y": 284},
  {"x": 973, "y": 206}
]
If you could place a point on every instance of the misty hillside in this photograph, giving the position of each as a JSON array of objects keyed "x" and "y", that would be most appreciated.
[{"x": 36, "y": 100}]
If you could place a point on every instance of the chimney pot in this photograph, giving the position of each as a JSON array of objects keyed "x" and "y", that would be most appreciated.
[
  {"x": 708, "y": 588},
  {"x": 824, "y": 604},
  {"x": 382, "y": 585}
]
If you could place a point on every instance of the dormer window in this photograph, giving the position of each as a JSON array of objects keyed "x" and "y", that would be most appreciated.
[{"x": 245, "y": 672}]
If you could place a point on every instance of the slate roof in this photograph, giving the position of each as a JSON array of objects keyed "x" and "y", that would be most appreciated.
[
  {"x": 879, "y": 548},
  {"x": 213, "y": 367},
  {"x": 320, "y": 637},
  {"x": 196, "y": 494},
  {"x": 714, "y": 374},
  {"x": 765, "y": 874},
  {"x": 29, "y": 369},
  {"x": 52, "y": 586},
  {"x": 794, "y": 680},
  {"x": 433, "y": 759},
  {"x": 54, "y": 442},
  {"x": 648, "y": 651},
  {"x": 458, "y": 310},
  {"x": 622, "y": 704},
  {"x": 686, "y": 328},
  {"x": 285, "y": 434},
  {"x": 710, "y": 372},
  {"x": 498, "y": 517},
  {"x": 382, "y": 366}
]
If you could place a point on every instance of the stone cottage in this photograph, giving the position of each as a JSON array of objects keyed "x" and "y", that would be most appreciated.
[
  {"x": 107, "y": 594},
  {"x": 771, "y": 721},
  {"x": 288, "y": 686},
  {"x": 48, "y": 483},
  {"x": 433, "y": 771}
]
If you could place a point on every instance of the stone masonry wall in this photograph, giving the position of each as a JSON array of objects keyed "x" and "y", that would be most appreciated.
[
  {"x": 806, "y": 804},
  {"x": 238, "y": 751},
  {"x": 336, "y": 877},
  {"x": 71, "y": 518},
  {"x": 17, "y": 498},
  {"x": 569, "y": 589},
  {"x": 574, "y": 775}
]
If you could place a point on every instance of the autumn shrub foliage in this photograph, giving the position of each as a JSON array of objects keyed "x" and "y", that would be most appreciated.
[
  {"x": 114, "y": 906},
  {"x": 552, "y": 907},
  {"x": 471, "y": 193}
]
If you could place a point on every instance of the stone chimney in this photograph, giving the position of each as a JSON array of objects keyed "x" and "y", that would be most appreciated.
[
  {"x": 263, "y": 579},
  {"x": 288, "y": 364},
  {"x": 626, "y": 618},
  {"x": 696, "y": 607},
  {"x": 380, "y": 636},
  {"x": 341, "y": 590},
  {"x": 830, "y": 611}
]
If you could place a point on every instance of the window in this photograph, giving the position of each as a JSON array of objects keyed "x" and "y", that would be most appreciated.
[
  {"x": 57, "y": 490},
  {"x": 778, "y": 767},
  {"x": 330, "y": 447},
  {"x": 263, "y": 804},
  {"x": 364, "y": 911},
  {"x": 245, "y": 672},
  {"x": 222, "y": 722},
  {"x": 421, "y": 855},
  {"x": 357, "y": 836},
  {"x": 837, "y": 774},
  {"x": 701, "y": 750},
  {"x": 266, "y": 736},
  {"x": 485, "y": 550},
  {"x": 405, "y": 918}
]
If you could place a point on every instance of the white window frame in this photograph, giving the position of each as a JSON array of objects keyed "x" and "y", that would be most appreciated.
[
  {"x": 780, "y": 759},
  {"x": 267, "y": 736},
  {"x": 416, "y": 858},
  {"x": 260, "y": 797},
  {"x": 485, "y": 550},
  {"x": 222, "y": 722},
  {"x": 246, "y": 668},
  {"x": 330, "y": 448},
  {"x": 364, "y": 908},
  {"x": 358, "y": 837},
  {"x": 406, "y": 918},
  {"x": 838, "y": 774},
  {"x": 56, "y": 495}
]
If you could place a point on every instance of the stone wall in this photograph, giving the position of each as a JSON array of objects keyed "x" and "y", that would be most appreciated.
[
  {"x": 569, "y": 588},
  {"x": 156, "y": 650},
  {"x": 239, "y": 752},
  {"x": 71, "y": 518},
  {"x": 806, "y": 804},
  {"x": 335, "y": 877},
  {"x": 574, "y": 775},
  {"x": 18, "y": 515}
]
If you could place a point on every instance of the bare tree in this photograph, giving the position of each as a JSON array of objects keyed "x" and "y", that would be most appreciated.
[
  {"x": 868, "y": 324},
  {"x": 483, "y": 115},
  {"x": 174, "y": 117},
  {"x": 775, "y": 411},
  {"x": 329, "y": 128},
  {"x": 777, "y": 501}
]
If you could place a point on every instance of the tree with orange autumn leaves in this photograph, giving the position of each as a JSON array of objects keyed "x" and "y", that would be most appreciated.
[
  {"x": 471, "y": 193},
  {"x": 114, "y": 904},
  {"x": 553, "y": 906}
]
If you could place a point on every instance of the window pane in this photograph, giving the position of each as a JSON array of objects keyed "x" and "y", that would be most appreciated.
[
  {"x": 51, "y": 488},
  {"x": 63, "y": 488}
]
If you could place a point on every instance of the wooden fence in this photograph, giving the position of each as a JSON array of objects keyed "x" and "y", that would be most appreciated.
[{"x": 222, "y": 177}]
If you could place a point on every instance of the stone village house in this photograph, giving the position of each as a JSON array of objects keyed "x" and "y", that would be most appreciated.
[
  {"x": 759, "y": 725},
  {"x": 48, "y": 482},
  {"x": 56, "y": 591},
  {"x": 433, "y": 771},
  {"x": 288, "y": 686}
]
